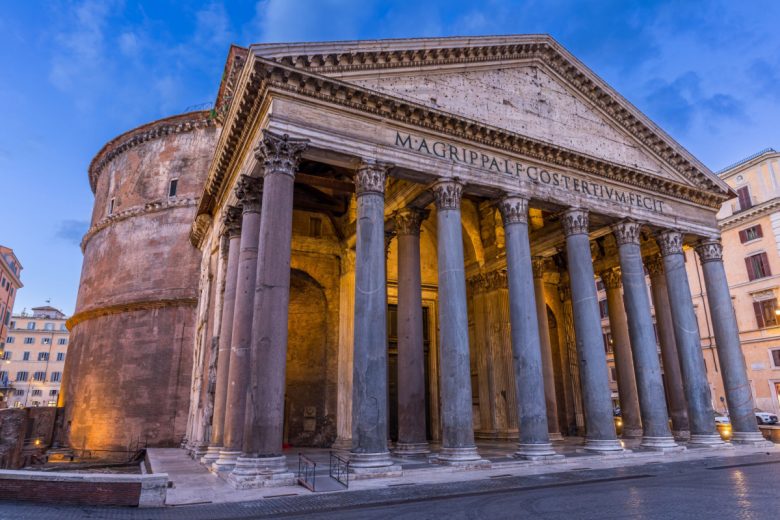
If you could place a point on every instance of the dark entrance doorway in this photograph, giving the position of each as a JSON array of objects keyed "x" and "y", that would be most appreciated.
[{"x": 392, "y": 372}]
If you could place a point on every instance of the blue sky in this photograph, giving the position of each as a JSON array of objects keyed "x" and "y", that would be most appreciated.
[{"x": 77, "y": 73}]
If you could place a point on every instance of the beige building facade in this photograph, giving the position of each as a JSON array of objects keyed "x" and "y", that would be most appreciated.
[{"x": 34, "y": 357}]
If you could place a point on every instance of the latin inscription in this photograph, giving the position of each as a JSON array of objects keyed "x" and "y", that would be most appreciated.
[{"x": 504, "y": 166}]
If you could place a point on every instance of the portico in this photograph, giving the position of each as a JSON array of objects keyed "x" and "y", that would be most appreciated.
[{"x": 494, "y": 199}]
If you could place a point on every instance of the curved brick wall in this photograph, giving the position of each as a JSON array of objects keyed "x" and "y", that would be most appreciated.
[{"x": 127, "y": 374}]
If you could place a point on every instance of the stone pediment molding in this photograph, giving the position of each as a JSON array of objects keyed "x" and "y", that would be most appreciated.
[{"x": 262, "y": 76}]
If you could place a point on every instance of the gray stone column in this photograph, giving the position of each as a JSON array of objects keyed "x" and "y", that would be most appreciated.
[
  {"x": 671, "y": 361},
  {"x": 249, "y": 193},
  {"x": 232, "y": 220},
  {"x": 262, "y": 462},
  {"x": 369, "y": 377},
  {"x": 411, "y": 354},
  {"x": 652, "y": 402},
  {"x": 599, "y": 423},
  {"x": 548, "y": 372},
  {"x": 455, "y": 377},
  {"x": 732, "y": 362},
  {"x": 686, "y": 333},
  {"x": 624, "y": 361},
  {"x": 534, "y": 440}
]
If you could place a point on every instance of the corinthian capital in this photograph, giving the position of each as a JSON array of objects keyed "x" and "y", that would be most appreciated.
[
  {"x": 575, "y": 222},
  {"x": 447, "y": 194},
  {"x": 654, "y": 265},
  {"x": 538, "y": 266},
  {"x": 232, "y": 221},
  {"x": 710, "y": 250},
  {"x": 249, "y": 192},
  {"x": 370, "y": 177},
  {"x": 627, "y": 232},
  {"x": 669, "y": 242},
  {"x": 514, "y": 210},
  {"x": 280, "y": 153},
  {"x": 409, "y": 220},
  {"x": 611, "y": 278}
]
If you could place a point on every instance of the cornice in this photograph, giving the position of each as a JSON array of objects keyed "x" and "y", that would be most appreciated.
[
  {"x": 136, "y": 211},
  {"x": 108, "y": 310},
  {"x": 177, "y": 124},
  {"x": 758, "y": 210}
]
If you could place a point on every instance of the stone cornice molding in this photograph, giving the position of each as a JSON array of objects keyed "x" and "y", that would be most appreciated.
[
  {"x": 408, "y": 221},
  {"x": 575, "y": 222},
  {"x": 249, "y": 192},
  {"x": 612, "y": 278},
  {"x": 341, "y": 57},
  {"x": 280, "y": 154},
  {"x": 133, "y": 306},
  {"x": 710, "y": 250},
  {"x": 178, "y": 124},
  {"x": 447, "y": 194},
  {"x": 669, "y": 242},
  {"x": 136, "y": 211},
  {"x": 371, "y": 177},
  {"x": 513, "y": 209},
  {"x": 489, "y": 281},
  {"x": 626, "y": 232},
  {"x": 758, "y": 210},
  {"x": 232, "y": 220},
  {"x": 654, "y": 265}
]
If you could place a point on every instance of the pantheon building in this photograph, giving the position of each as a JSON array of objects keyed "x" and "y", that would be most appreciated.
[{"x": 392, "y": 248}]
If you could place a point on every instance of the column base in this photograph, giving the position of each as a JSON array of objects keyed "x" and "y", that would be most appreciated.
[
  {"x": 226, "y": 461},
  {"x": 460, "y": 456},
  {"x": 632, "y": 433},
  {"x": 706, "y": 440},
  {"x": 198, "y": 451},
  {"x": 411, "y": 449},
  {"x": 536, "y": 452},
  {"x": 341, "y": 444},
  {"x": 258, "y": 472},
  {"x": 660, "y": 444},
  {"x": 605, "y": 446},
  {"x": 681, "y": 435},
  {"x": 555, "y": 437},
  {"x": 370, "y": 460},
  {"x": 211, "y": 455},
  {"x": 750, "y": 439}
]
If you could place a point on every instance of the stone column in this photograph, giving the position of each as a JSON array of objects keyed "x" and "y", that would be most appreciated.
[
  {"x": 600, "y": 426},
  {"x": 548, "y": 372},
  {"x": 534, "y": 440},
  {"x": 249, "y": 193},
  {"x": 343, "y": 440},
  {"x": 262, "y": 462},
  {"x": 624, "y": 362},
  {"x": 652, "y": 402},
  {"x": 232, "y": 221},
  {"x": 369, "y": 377},
  {"x": 686, "y": 333},
  {"x": 671, "y": 361},
  {"x": 732, "y": 362},
  {"x": 411, "y": 354},
  {"x": 455, "y": 377}
]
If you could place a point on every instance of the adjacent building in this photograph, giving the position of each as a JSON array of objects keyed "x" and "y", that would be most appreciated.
[
  {"x": 10, "y": 283},
  {"x": 34, "y": 357}
]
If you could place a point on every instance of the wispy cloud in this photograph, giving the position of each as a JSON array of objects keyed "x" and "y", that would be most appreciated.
[{"x": 72, "y": 231}]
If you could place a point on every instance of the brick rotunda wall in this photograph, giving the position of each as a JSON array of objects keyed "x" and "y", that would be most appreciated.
[{"x": 127, "y": 375}]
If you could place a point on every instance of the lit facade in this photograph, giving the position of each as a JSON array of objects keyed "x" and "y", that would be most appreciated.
[{"x": 10, "y": 283}]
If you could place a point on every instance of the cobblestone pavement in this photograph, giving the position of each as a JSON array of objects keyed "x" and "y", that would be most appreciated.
[{"x": 742, "y": 487}]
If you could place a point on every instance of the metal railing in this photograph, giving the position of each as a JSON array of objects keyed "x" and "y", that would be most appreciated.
[
  {"x": 339, "y": 469},
  {"x": 307, "y": 472}
]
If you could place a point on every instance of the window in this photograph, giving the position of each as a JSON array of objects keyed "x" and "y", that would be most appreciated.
[
  {"x": 22, "y": 376},
  {"x": 612, "y": 374},
  {"x": 111, "y": 207},
  {"x": 751, "y": 233},
  {"x": 60, "y": 356},
  {"x": 29, "y": 341},
  {"x": 45, "y": 341},
  {"x": 48, "y": 326},
  {"x": 52, "y": 393},
  {"x": 3, "y": 375},
  {"x": 30, "y": 325},
  {"x": 39, "y": 376},
  {"x": 43, "y": 356},
  {"x": 172, "y": 187},
  {"x": 776, "y": 357},
  {"x": 63, "y": 327},
  {"x": 765, "y": 313},
  {"x": 37, "y": 392},
  {"x": 607, "y": 337},
  {"x": 55, "y": 377},
  {"x": 603, "y": 309},
  {"x": 599, "y": 285},
  {"x": 12, "y": 325},
  {"x": 745, "y": 201},
  {"x": 315, "y": 227},
  {"x": 26, "y": 356},
  {"x": 10, "y": 339},
  {"x": 52, "y": 403},
  {"x": 7, "y": 354},
  {"x": 757, "y": 266},
  {"x": 18, "y": 392},
  {"x": 62, "y": 341}
]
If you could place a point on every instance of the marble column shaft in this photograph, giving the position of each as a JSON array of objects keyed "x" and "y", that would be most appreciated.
[
  {"x": 455, "y": 373},
  {"x": 548, "y": 371},
  {"x": 411, "y": 354},
  {"x": 369, "y": 377},
  {"x": 671, "y": 361},
  {"x": 624, "y": 361},
  {"x": 594, "y": 380},
  {"x": 686, "y": 334},
  {"x": 526, "y": 350},
  {"x": 233, "y": 228},
  {"x": 249, "y": 192},
  {"x": 650, "y": 385},
  {"x": 739, "y": 396}
]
